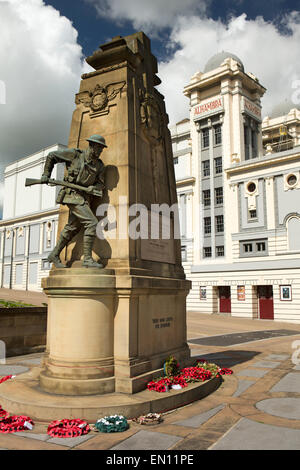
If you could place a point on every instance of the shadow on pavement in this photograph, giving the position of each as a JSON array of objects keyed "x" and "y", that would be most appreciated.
[{"x": 228, "y": 358}]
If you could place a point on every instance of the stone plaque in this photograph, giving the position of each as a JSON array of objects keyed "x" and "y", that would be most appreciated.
[
  {"x": 158, "y": 250},
  {"x": 157, "y": 243}
]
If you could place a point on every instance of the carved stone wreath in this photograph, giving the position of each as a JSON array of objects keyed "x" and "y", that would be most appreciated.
[{"x": 99, "y": 98}]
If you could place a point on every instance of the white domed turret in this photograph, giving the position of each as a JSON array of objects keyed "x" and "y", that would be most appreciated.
[{"x": 217, "y": 59}]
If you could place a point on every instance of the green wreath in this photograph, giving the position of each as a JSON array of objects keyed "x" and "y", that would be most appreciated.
[{"x": 114, "y": 423}]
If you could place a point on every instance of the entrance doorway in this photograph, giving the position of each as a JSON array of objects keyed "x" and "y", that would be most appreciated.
[
  {"x": 224, "y": 299},
  {"x": 265, "y": 302}
]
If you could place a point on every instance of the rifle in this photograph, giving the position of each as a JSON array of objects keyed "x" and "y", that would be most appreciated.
[{"x": 53, "y": 182}]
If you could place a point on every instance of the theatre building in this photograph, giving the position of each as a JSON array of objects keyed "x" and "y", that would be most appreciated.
[{"x": 238, "y": 184}]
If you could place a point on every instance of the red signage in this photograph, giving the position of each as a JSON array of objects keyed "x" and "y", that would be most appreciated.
[
  {"x": 252, "y": 108},
  {"x": 208, "y": 107}
]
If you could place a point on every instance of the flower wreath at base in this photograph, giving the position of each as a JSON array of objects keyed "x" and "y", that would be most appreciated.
[
  {"x": 214, "y": 368},
  {"x": 3, "y": 414},
  {"x": 10, "y": 424},
  {"x": 113, "y": 423},
  {"x": 7, "y": 377},
  {"x": 203, "y": 370},
  {"x": 150, "y": 418},
  {"x": 68, "y": 428}
]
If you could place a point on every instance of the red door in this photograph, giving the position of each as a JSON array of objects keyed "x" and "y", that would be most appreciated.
[
  {"x": 225, "y": 299},
  {"x": 265, "y": 299}
]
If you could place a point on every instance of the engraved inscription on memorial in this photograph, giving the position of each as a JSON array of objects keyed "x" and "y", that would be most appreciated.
[
  {"x": 163, "y": 322},
  {"x": 158, "y": 250}
]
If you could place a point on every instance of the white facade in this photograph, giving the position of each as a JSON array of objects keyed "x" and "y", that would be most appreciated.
[
  {"x": 29, "y": 226},
  {"x": 238, "y": 176}
]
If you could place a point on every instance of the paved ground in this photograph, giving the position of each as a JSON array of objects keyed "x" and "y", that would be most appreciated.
[{"x": 256, "y": 408}]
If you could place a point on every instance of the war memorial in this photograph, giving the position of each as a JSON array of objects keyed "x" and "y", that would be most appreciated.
[{"x": 117, "y": 305}]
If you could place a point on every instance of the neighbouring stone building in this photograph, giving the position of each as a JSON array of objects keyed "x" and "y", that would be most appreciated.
[
  {"x": 238, "y": 185},
  {"x": 29, "y": 226}
]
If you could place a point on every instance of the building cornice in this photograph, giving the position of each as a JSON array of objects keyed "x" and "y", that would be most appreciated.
[
  {"x": 185, "y": 181},
  {"x": 179, "y": 153},
  {"x": 17, "y": 166},
  {"x": 28, "y": 217},
  {"x": 261, "y": 265},
  {"x": 263, "y": 162},
  {"x": 25, "y": 166}
]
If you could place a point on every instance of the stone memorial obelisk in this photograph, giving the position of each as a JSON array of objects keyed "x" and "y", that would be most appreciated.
[{"x": 110, "y": 329}]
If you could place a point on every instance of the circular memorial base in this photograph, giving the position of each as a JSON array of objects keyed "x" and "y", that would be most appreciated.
[{"x": 23, "y": 395}]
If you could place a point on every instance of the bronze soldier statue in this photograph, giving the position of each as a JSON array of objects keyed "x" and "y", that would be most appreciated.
[{"x": 86, "y": 170}]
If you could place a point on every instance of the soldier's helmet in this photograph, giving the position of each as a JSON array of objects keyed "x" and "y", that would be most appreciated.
[{"x": 98, "y": 139}]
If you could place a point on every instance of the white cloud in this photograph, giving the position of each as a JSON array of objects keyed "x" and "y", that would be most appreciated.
[
  {"x": 149, "y": 15},
  {"x": 40, "y": 65},
  {"x": 265, "y": 51},
  {"x": 270, "y": 55}
]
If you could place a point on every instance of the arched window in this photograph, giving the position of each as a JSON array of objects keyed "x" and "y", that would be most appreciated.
[{"x": 293, "y": 230}]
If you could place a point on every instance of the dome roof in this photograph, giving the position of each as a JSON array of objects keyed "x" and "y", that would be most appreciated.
[
  {"x": 281, "y": 109},
  {"x": 217, "y": 59}
]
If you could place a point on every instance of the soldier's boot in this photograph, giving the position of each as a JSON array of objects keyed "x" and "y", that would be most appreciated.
[
  {"x": 54, "y": 255},
  {"x": 88, "y": 241}
]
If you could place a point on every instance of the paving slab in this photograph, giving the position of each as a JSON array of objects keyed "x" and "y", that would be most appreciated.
[
  {"x": 243, "y": 385},
  {"x": 253, "y": 372},
  {"x": 266, "y": 364},
  {"x": 197, "y": 420},
  {"x": 70, "y": 441},
  {"x": 193, "y": 443},
  {"x": 32, "y": 435},
  {"x": 147, "y": 440},
  {"x": 277, "y": 357},
  {"x": 251, "y": 435},
  {"x": 198, "y": 352},
  {"x": 12, "y": 370},
  {"x": 296, "y": 367},
  {"x": 289, "y": 383},
  {"x": 36, "y": 360},
  {"x": 286, "y": 407},
  {"x": 15, "y": 442}
]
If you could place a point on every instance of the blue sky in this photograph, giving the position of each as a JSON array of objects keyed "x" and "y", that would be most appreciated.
[
  {"x": 43, "y": 45},
  {"x": 94, "y": 30}
]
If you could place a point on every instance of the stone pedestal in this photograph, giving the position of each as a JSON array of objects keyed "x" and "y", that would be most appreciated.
[
  {"x": 109, "y": 332},
  {"x": 112, "y": 329},
  {"x": 80, "y": 333}
]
